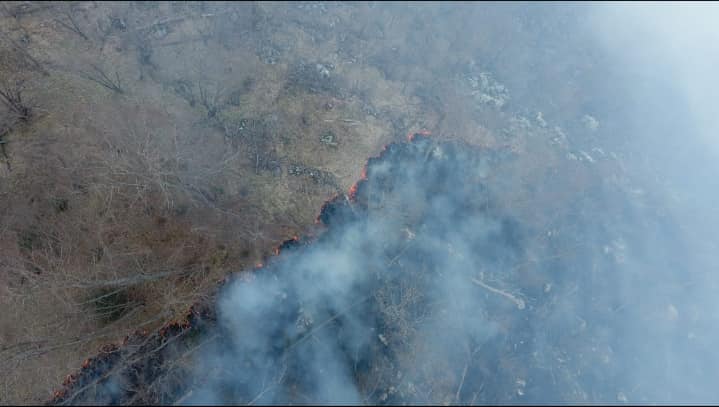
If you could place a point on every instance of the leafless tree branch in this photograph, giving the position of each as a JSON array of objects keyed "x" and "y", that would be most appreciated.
[
  {"x": 71, "y": 23},
  {"x": 100, "y": 77},
  {"x": 11, "y": 97},
  {"x": 23, "y": 52}
]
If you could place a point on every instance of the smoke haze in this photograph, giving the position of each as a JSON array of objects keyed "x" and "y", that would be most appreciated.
[
  {"x": 575, "y": 265},
  {"x": 645, "y": 319}
]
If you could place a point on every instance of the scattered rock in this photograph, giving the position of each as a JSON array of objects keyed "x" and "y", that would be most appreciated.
[
  {"x": 590, "y": 122},
  {"x": 317, "y": 175},
  {"x": 323, "y": 71},
  {"x": 486, "y": 90},
  {"x": 672, "y": 312},
  {"x": 586, "y": 156},
  {"x": 118, "y": 23},
  {"x": 160, "y": 31},
  {"x": 540, "y": 120},
  {"x": 329, "y": 138},
  {"x": 313, "y": 78},
  {"x": 268, "y": 54},
  {"x": 621, "y": 397},
  {"x": 383, "y": 339}
]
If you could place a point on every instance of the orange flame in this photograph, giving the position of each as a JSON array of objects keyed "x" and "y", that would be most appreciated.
[
  {"x": 317, "y": 219},
  {"x": 192, "y": 312},
  {"x": 363, "y": 176},
  {"x": 353, "y": 191},
  {"x": 69, "y": 379},
  {"x": 422, "y": 132}
]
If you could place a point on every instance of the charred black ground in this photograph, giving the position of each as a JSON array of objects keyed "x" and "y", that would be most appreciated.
[{"x": 424, "y": 288}]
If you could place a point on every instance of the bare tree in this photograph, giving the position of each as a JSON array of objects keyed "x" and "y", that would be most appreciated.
[
  {"x": 11, "y": 97},
  {"x": 24, "y": 55},
  {"x": 140, "y": 40},
  {"x": 6, "y": 10},
  {"x": 99, "y": 76},
  {"x": 71, "y": 23},
  {"x": 210, "y": 100},
  {"x": 18, "y": 9},
  {"x": 144, "y": 48},
  {"x": 15, "y": 11},
  {"x": 4, "y": 130}
]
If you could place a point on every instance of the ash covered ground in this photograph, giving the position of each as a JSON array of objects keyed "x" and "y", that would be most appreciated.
[{"x": 423, "y": 288}]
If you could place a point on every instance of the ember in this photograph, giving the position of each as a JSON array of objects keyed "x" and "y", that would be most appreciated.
[{"x": 411, "y": 135}]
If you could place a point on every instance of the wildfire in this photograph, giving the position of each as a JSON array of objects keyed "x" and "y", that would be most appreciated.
[
  {"x": 318, "y": 219},
  {"x": 364, "y": 172},
  {"x": 412, "y": 134},
  {"x": 87, "y": 365},
  {"x": 69, "y": 379},
  {"x": 174, "y": 328},
  {"x": 353, "y": 191},
  {"x": 363, "y": 177},
  {"x": 287, "y": 243},
  {"x": 126, "y": 340},
  {"x": 94, "y": 366},
  {"x": 198, "y": 311},
  {"x": 109, "y": 348}
]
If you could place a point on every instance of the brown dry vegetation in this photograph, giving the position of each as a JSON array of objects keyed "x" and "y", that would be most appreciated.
[{"x": 169, "y": 144}]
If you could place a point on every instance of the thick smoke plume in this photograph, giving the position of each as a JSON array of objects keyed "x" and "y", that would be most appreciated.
[
  {"x": 662, "y": 60},
  {"x": 399, "y": 288},
  {"x": 425, "y": 288}
]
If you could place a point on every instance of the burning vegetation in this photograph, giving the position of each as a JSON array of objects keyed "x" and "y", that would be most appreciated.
[{"x": 423, "y": 288}]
